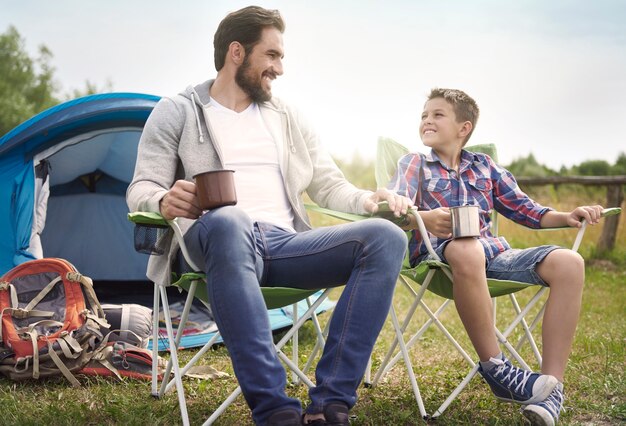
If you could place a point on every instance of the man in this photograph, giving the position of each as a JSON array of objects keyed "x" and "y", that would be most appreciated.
[{"x": 233, "y": 122}]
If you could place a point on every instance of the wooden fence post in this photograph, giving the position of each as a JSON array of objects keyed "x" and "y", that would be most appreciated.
[{"x": 614, "y": 196}]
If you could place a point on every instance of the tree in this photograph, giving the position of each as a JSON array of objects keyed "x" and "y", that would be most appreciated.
[
  {"x": 90, "y": 89},
  {"x": 594, "y": 168},
  {"x": 27, "y": 85},
  {"x": 619, "y": 168},
  {"x": 529, "y": 167}
]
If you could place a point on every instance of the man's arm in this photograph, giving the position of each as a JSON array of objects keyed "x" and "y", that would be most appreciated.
[
  {"x": 180, "y": 201},
  {"x": 157, "y": 159},
  {"x": 398, "y": 204}
]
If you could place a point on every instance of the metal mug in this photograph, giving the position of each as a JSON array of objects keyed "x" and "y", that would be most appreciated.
[
  {"x": 465, "y": 221},
  {"x": 216, "y": 189}
]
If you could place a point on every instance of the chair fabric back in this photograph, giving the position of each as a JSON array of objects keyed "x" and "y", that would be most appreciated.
[{"x": 388, "y": 154}]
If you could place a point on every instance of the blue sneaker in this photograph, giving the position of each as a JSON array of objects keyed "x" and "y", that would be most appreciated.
[
  {"x": 513, "y": 384},
  {"x": 546, "y": 413}
]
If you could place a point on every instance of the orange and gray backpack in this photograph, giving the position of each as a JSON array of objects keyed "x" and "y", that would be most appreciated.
[{"x": 50, "y": 320}]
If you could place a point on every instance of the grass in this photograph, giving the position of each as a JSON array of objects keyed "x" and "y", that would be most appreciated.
[{"x": 595, "y": 381}]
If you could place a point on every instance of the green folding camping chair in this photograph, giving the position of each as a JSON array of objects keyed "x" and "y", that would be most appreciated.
[
  {"x": 436, "y": 277},
  {"x": 151, "y": 224}
]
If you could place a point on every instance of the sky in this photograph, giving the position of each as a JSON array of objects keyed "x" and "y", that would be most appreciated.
[{"x": 549, "y": 76}]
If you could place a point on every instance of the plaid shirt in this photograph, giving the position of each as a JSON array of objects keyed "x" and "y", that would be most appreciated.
[{"x": 427, "y": 181}]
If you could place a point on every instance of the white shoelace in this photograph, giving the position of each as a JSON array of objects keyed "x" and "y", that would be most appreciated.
[
  {"x": 512, "y": 375},
  {"x": 554, "y": 403}
]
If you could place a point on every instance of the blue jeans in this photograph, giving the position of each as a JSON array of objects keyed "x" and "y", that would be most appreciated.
[{"x": 240, "y": 256}]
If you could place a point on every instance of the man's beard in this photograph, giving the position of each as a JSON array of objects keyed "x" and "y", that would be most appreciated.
[{"x": 251, "y": 84}]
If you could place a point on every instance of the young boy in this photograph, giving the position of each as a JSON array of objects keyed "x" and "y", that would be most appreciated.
[{"x": 451, "y": 176}]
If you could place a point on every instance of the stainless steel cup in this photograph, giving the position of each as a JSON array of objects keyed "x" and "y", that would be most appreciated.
[{"x": 465, "y": 221}]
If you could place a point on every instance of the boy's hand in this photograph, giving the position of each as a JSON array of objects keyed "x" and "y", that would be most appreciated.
[
  {"x": 398, "y": 204},
  {"x": 438, "y": 222},
  {"x": 181, "y": 201},
  {"x": 591, "y": 214}
]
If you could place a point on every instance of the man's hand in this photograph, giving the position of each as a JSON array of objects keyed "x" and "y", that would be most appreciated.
[
  {"x": 438, "y": 222},
  {"x": 591, "y": 214},
  {"x": 181, "y": 201},
  {"x": 398, "y": 204}
]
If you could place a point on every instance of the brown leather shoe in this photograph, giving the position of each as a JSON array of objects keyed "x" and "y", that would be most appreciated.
[
  {"x": 286, "y": 417},
  {"x": 337, "y": 414}
]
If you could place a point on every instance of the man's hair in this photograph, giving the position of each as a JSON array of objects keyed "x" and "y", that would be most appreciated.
[
  {"x": 465, "y": 108},
  {"x": 244, "y": 26}
]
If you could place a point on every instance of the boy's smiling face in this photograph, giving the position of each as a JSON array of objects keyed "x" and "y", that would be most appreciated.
[{"x": 439, "y": 127}]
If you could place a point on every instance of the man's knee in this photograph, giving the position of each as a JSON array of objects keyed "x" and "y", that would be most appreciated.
[
  {"x": 227, "y": 220},
  {"x": 387, "y": 234},
  {"x": 222, "y": 231}
]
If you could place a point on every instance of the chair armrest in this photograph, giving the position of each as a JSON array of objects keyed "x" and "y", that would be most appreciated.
[
  {"x": 348, "y": 217},
  {"x": 147, "y": 219},
  {"x": 605, "y": 213},
  {"x": 611, "y": 211}
]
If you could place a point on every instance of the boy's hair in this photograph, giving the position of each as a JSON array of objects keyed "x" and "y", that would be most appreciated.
[
  {"x": 465, "y": 108},
  {"x": 245, "y": 26}
]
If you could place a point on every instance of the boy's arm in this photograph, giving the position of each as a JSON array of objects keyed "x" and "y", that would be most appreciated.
[
  {"x": 438, "y": 222},
  {"x": 554, "y": 219},
  {"x": 511, "y": 202}
]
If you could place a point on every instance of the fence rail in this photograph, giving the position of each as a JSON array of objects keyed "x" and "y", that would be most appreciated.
[{"x": 614, "y": 198}]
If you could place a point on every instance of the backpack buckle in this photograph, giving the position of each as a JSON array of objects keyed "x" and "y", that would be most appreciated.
[{"x": 20, "y": 313}]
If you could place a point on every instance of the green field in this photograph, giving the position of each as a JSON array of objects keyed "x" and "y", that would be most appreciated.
[{"x": 595, "y": 382}]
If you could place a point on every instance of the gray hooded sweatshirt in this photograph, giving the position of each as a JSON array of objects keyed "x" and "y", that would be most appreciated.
[{"x": 177, "y": 143}]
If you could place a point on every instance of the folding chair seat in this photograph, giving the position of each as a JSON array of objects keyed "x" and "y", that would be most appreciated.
[
  {"x": 436, "y": 277},
  {"x": 274, "y": 297}
]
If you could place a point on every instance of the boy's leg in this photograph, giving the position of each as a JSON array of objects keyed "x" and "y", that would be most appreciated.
[
  {"x": 564, "y": 271},
  {"x": 471, "y": 294},
  {"x": 466, "y": 258}
]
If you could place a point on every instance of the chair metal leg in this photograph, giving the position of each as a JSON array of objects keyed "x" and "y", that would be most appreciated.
[
  {"x": 180, "y": 390},
  {"x": 155, "y": 340},
  {"x": 233, "y": 396},
  {"x": 502, "y": 339},
  {"x": 179, "y": 333},
  {"x": 294, "y": 329},
  {"x": 527, "y": 330},
  {"x": 456, "y": 392},
  {"x": 194, "y": 360},
  {"x": 320, "y": 338},
  {"x": 384, "y": 367},
  {"x": 294, "y": 344},
  {"x": 407, "y": 362}
]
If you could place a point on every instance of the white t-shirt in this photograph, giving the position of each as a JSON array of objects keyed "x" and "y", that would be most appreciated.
[{"x": 249, "y": 149}]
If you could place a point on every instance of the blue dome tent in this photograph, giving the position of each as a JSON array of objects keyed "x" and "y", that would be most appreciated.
[{"x": 63, "y": 178}]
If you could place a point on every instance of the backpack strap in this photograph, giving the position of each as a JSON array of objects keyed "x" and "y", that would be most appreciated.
[
  {"x": 87, "y": 284},
  {"x": 22, "y": 313},
  {"x": 62, "y": 368},
  {"x": 5, "y": 285},
  {"x": 43, "y": 293},
  {"x": 70, "y": 346},
  {"x": 101, "y": 321}
]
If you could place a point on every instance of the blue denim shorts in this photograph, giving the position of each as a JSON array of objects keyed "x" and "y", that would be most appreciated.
[
  {"x": 519, "y": 264},
  {"x": 515, "y": 264}
]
